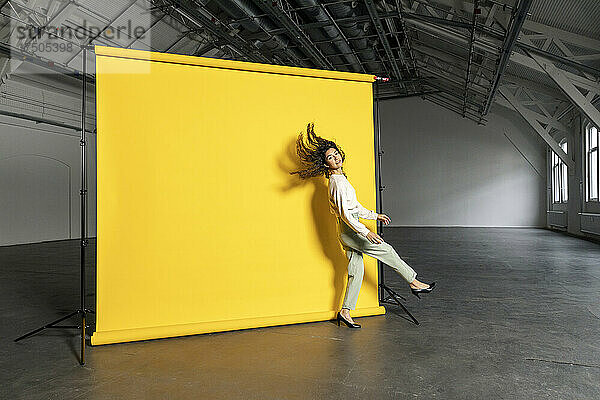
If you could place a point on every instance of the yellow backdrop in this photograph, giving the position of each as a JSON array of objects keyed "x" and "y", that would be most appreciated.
[{"x": 200, "y": 226}]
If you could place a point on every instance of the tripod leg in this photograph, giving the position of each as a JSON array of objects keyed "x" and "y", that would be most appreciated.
[
  {"x": 394, "y": 296},
  {"x": 409, "y": 314},
  {"x": 47, "y": 326},
  {"x": 394, "y": 293}
]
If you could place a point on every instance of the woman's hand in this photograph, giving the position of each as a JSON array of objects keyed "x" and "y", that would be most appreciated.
[
  {"x": 374, "y": 238},
  {"x": 384, "y": 218}
]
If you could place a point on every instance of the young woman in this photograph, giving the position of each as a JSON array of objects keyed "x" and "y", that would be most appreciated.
[{"x": 323, "y": 157}]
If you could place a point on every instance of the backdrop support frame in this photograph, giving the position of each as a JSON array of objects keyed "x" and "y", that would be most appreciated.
[
  {"x": 81, "y": 311},
  {"x": 386, "y": 294}
]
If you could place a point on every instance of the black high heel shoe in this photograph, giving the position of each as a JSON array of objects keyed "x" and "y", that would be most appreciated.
[
  {"x": 348, "y": 323},
  {"x": 416, "y": 292}
]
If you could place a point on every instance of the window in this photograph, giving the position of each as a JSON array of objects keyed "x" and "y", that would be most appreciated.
[
  {"x": 591, "y": 163},
  {"x": 560, "y": 191}
]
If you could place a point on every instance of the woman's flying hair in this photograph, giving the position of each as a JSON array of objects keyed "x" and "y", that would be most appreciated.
[{"x": 312, "y": 154}]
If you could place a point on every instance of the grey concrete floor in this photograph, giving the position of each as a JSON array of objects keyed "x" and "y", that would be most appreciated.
[{"x": 516, "y": 315}]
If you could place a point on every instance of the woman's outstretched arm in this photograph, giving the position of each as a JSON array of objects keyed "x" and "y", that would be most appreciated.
[{"x": 365, "y": 213}]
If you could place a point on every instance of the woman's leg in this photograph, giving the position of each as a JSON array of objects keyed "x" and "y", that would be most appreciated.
[
  {"x": 384, "y": 252},
  {"x": 356, "y": 270}
]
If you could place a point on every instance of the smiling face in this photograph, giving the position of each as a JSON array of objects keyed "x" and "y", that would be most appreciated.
[{"x": 333, "y": 158}]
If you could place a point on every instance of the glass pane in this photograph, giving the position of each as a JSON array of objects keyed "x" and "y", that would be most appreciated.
[
  {"x": 593, "y": 137},
  {"x": 564, "y": 146},
  {"x": 593, "y": 181},
  {"x": 565, "y": 190},
  {"x": 558, "y": 183},
  {"x": 555, "y": 184},
  {"x": 588, "y": 177}
]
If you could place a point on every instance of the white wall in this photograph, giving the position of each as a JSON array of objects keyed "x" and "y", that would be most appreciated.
[
  {"x": 40, "y": 181},
  {"x": 442, "y": 170},
  {"x": 40, "y": 164}
]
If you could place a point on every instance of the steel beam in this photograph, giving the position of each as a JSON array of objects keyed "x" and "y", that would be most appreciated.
[
  {"x": 391, "y": 24},
  {"x": 441, "y": 101},
  {"x": 296, "y": 32},
  {"x": 56, "y": 20},
  {"x": 470, "y": 56},
  {"x": 577, "y": 80},
  {"x": 112, "y": 21},
  {"x": 488, "y": 46},
  {"x": 345, "y": 39},
  {"x": 569, "y": 37},
  {"x": 188, "y": 10},
  {"x": 567, "y": 86},
  {"x": 530, "y": 117},
  {"x": 381, "y": 33},
  {"x": 516, "y": 22}
]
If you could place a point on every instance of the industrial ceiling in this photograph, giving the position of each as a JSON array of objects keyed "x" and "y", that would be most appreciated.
[{"x": 540, "y": 58}]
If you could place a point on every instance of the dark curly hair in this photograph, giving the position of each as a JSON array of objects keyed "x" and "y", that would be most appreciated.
[{"x": 312, "y": 154}]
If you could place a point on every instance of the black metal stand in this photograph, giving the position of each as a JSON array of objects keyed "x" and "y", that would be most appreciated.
[
  {"x": 386, "y": 294},
  {"x": 84, "y": 240}
]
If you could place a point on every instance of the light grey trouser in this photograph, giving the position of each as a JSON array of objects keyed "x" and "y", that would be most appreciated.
[{"x": 355, "y": 246}]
